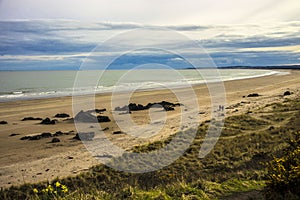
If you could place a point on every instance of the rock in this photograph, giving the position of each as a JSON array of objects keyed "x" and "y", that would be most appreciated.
[
  {"x": 117, "y": 132},
  {"x": 84, "y": 136},
  {"x": 100, "y": 111},
  {"x": 168, "y": 107},
  {"x": 55, "y": 140},
  {"x": 136, "y": 107},
  {"x": 105, "y": 129},
  {"x": 58, "y": 133},
  {"x": 62, "y": 115},
  {"x": 35, "y": 137},
  {"x": 25, "y": 138},
  {"x": 46, "y": 135},
  {"x": 286, "y": 93},
  {"x": 85, "y": 117},
  {"x": 14, "y": 134},
  {"x": 253, "y": 95},
  {"x": 124, "y": 108},
  {"x": 76, "y": 137},
  {"x": 3, "y": 122},
  {"x": 31, "y": 118},
  {"x": 103, "y": 119},
  {"x": 47, "y": 121}
]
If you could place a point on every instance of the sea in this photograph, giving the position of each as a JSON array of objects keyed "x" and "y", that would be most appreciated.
[{"x": 22, "y": 85}]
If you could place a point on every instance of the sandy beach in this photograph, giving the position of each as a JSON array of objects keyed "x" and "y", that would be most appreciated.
[{"x": 27, "y": 161}]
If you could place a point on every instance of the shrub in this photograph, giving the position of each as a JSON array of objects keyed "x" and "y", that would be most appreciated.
[{"x": 283, "y": 177}]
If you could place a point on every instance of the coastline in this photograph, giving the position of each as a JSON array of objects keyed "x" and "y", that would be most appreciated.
[
  {"x": 31, "y": 161},
  {"x": 23, "y": 95}
]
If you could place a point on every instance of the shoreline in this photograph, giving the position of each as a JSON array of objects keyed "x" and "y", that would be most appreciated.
[
  {"x": 32, "y": 161},
  {"x": 109, "y": 92}
]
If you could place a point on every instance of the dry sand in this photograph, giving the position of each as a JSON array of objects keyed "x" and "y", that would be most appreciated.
[{"x": 24, "y": 161}]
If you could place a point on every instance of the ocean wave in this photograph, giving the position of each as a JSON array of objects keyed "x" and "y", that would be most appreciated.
[{"x": 37, "y": 93}]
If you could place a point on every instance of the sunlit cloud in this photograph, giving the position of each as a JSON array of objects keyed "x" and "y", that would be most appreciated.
[
  {"x": 155, "y": 11},
  {"x": 65, "y": 44}
]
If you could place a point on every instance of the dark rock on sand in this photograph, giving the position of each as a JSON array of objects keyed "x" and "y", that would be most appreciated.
[
  {"x": 58, "y": 133},
  {"x": 166, "y": 103},
  {"x": 100, "y": 111},
  {"x": 253, "y": 95},
  {"x": 87, "y": 117},
  {"x": 62, "y": 115},
  {"x": 36, "y": 137},
  {"x": 76, "y": 137},
  {"x": 286, "y": 93},
  {"x": 168, "y": 107},
  {"x": 48, "y": 121},
  {"x": 3, "y": 122},
  {"x": 84, "y": 136},
  {"x": 31, "y": 118},
  {"x": 55, "y": 140},
  {"x": 46, "y": 135},
  {"x": 14, "y": 134},
  {"x": 25, "y": 138},
  {"x": 105, "y": 129},
  {"x": 124, "y": 108},
  {"x": 136, "y": 107},
  {"x": 103, "y": 119},
  {"x": 117, "y": 132}
]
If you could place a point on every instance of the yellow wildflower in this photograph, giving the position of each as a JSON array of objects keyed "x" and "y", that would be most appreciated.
[
  {"x": 64, "y": 188},
  {"x": 57, "y": 184},
  {"x": 50, "y": 188},
  {"x": 35, "y": 190}
]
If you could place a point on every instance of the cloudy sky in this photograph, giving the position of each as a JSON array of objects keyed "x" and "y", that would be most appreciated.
[{"x": 47, "y": 34}]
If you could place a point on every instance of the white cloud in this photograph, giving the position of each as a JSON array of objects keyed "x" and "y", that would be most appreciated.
[
  {"x": 56, "y": 43},
  {"x": 41, "y": 57},
  {"x": 155, "y": 11}
]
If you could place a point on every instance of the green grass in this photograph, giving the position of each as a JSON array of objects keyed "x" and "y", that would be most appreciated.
[{"x": 235, "y": 166}]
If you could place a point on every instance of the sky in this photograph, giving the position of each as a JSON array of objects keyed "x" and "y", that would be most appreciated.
[{"x": 48, "y": 34}]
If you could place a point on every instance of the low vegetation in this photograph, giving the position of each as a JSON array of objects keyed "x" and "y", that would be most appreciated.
[
  {"x": 235, "y": 167},
  {"x": 283, "y": 177}
]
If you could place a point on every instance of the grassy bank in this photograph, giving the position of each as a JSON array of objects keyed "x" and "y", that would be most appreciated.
[{"x": 234, "y": 168}]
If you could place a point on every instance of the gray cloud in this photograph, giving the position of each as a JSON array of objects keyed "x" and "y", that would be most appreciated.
[{"x": 51, "y": 43}]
